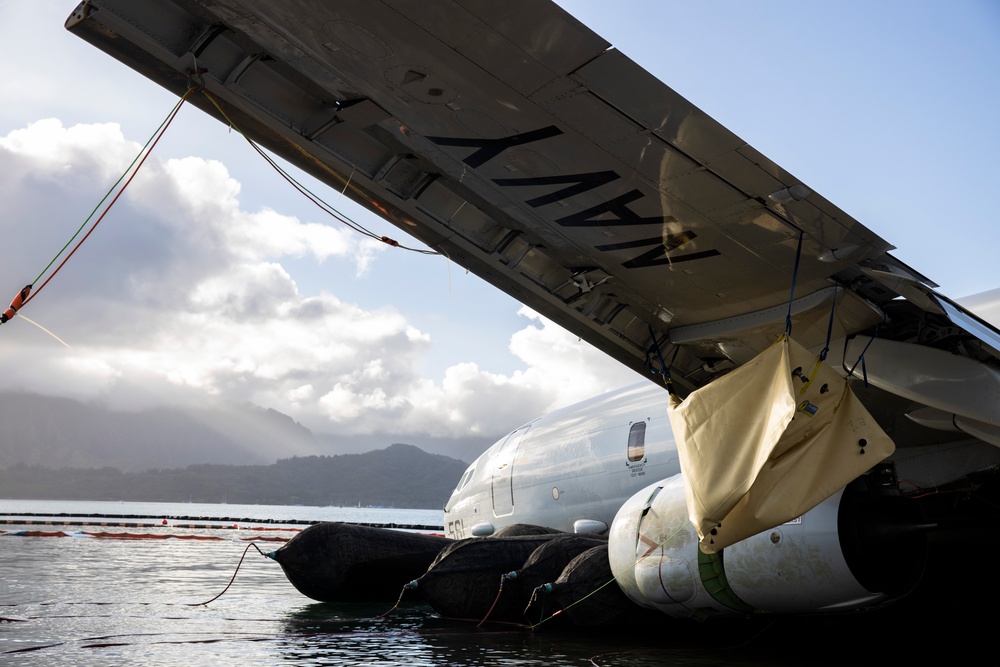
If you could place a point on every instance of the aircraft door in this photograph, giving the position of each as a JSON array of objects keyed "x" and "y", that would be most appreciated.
[{"x": 503, "y": 471}]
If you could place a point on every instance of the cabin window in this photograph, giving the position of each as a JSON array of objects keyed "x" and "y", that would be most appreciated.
[
  {"x": 465, "y": 479},
  {"x": 637, "y": 441}
]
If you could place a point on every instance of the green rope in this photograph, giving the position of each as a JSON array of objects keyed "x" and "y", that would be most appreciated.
[
  {"x": 144, "y": 155},
  {"x": 110, "y": 190}
]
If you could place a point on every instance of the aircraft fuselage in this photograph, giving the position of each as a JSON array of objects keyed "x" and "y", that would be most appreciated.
[{"x": 571, "y": 469}]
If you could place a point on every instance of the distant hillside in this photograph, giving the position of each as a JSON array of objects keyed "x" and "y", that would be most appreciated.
[
  {"x": 466, "y": 448},
  {"x": 398, "y": 476},
  {"x": 60, "y": 432},
  {"x": 64, "y": 433}
]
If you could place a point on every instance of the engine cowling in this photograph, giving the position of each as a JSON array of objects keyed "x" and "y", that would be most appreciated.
[{"x": 800, "y": 566}]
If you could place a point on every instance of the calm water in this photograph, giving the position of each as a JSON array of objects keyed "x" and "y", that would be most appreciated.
[{"x": 80, "y": 600}]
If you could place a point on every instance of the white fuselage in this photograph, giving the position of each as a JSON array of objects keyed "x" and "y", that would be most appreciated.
[{"x": 571, "y": 469}]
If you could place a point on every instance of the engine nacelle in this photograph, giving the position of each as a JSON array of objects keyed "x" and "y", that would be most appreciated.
[{"x": 799, "y": 566}]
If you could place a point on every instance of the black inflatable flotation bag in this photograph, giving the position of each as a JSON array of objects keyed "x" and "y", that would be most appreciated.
[{"x": 337, "y": 562}]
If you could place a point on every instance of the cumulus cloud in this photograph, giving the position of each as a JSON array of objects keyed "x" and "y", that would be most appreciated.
[
  {"x": 574, "y": 369},
  {"x": 183, "y": 295},
  {"x": 45, "y": 148}
]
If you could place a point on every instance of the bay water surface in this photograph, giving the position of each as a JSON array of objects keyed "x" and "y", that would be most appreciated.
[{"x": 89, "y": 595}]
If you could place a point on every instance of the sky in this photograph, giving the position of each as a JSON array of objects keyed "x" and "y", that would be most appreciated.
[{"x": 211, "y": 279}]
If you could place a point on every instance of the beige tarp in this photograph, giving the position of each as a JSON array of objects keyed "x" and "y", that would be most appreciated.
[{"x": 769, "y": 441}]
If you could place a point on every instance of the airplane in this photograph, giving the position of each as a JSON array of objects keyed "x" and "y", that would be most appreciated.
[{"x": 516, "y": 141}]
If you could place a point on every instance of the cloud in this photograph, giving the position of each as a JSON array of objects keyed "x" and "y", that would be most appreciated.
[
  {"x": 556, "y": 358},
  {"x": 184, "y": 296},
  {"x": 48, "y": 150}
]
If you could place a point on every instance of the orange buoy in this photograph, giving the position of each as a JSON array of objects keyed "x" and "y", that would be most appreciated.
[{"x": 16, "y": 304}]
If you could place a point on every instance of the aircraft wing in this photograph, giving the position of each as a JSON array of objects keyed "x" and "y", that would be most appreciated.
[{"x": 516, "y": 141}]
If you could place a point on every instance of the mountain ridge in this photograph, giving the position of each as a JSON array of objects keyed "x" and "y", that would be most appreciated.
[
  {"x": 400, "y": 475},
  {"x": 63, "y": 432},
  {"x": 58, "y": 432}
]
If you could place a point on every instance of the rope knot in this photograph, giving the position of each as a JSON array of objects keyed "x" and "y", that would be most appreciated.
[{"x": 196, "y": 78}]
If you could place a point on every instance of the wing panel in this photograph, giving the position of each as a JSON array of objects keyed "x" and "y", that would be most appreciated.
[
  {"x": 626, "y": 86},
  {"x": 542, "y": 31},
  {"x": 622, "y": 83},
  {"x": 521, "y": 43},
  {"x": 479, "y": 41}
]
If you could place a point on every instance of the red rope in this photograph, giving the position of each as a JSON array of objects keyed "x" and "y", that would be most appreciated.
[
  {"x": 503, "y": 577},
  {"x": 112, "y": 203}
]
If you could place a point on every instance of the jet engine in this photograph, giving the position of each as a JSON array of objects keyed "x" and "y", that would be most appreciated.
[{"x": 843, "y": 554}]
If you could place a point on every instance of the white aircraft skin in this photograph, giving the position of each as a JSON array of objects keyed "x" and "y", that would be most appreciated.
[{"x": 569, "y": 470}]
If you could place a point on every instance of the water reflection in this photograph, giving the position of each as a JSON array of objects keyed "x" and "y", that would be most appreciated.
[
  {"x": 413, "y": 635},
  {"x": 326, "y": 634}
]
